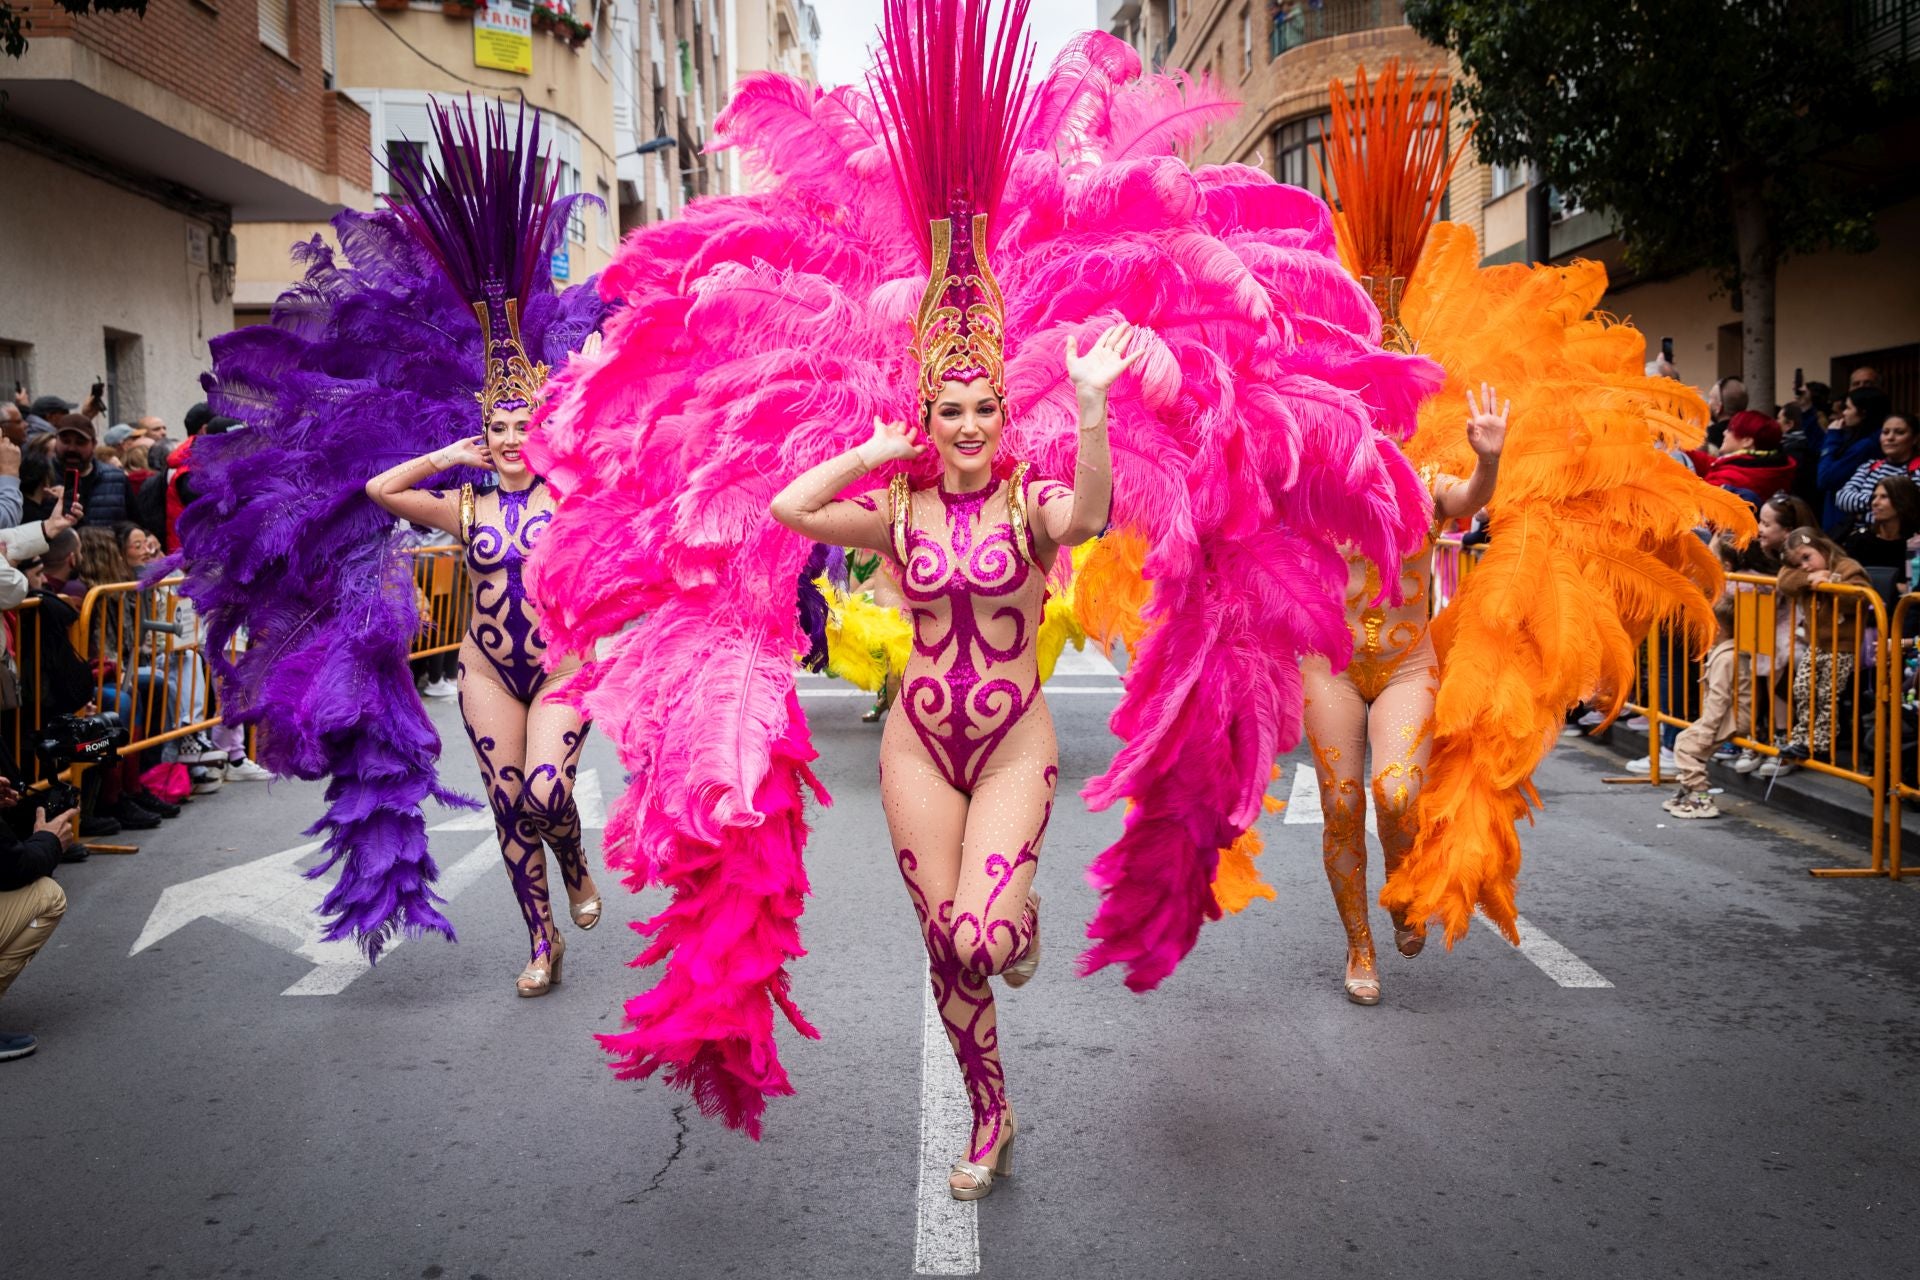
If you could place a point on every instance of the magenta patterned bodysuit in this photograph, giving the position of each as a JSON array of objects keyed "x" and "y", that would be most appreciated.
[{"x": 968, "y": 758}]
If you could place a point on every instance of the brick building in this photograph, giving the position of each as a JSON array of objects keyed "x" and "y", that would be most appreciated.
[{"x": 133, "y": 149}]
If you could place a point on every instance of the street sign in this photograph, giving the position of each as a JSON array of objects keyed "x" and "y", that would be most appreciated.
[
  {"x": 503, "y": 39},
  {"x": 562, "y": 266}
]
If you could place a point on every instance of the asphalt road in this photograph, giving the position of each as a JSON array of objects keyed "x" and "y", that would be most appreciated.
[{"x": 1741, "y": 1099}]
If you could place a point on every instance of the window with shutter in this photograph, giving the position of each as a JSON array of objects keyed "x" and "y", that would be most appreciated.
[
  {"x": 276, "y": 25},
  {"x": 326, "y": 39}
]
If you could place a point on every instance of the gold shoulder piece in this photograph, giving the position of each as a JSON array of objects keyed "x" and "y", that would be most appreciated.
[
  {"x": 466, "y": 514},
  {"x": 899, "y": 507},
  {"x": 1017, "y": 510}
]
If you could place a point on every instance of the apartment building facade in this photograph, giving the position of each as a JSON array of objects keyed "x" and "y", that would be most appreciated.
[{"x": 139, "y": 151}]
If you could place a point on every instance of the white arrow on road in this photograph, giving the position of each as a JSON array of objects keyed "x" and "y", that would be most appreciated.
[{"x": 271, "y": 900}]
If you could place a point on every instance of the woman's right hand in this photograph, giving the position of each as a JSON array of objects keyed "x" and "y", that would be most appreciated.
[
  {"x": 471, "y": 452},
  {"x": 890, "y": 441}
]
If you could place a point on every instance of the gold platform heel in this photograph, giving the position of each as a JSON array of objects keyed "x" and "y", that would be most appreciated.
[
  {"x": 983, "y": 1175},
  {"x": 587, "y": 914},
  {"x": 543, "y": 971}
]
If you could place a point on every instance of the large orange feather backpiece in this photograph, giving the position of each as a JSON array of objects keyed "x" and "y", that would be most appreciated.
[
  {"x": 1593, "y": 520},
  {"x": 1593, "y": 541}
]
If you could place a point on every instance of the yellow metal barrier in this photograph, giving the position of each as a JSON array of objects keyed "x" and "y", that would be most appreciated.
[
  {"x": 1773, "y": 639},
  {"x": 1901, "y": 788},
  {"x": 445, "y": 602}
]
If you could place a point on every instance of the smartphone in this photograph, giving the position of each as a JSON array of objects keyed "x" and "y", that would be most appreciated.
[
  {"x": 72, "y": 494},
  {"x": 1666, "y": 350},
  {"x": 1799, "y": 380},
  {"x": 99, "y": 388}
]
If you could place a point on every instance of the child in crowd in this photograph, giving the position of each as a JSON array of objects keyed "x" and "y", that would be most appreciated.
[
  {"x": 1833, "y": 641},
  {"x": 1726, "y": 686}
]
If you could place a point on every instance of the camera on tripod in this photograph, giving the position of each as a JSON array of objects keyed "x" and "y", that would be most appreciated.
[{"x": 70, "y": 740}]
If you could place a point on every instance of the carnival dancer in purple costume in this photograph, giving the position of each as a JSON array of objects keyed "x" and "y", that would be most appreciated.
[{"x": 435, "y": 315}]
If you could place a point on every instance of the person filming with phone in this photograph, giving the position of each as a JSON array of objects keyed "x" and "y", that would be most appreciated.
[{"x": 103, "y": 491}]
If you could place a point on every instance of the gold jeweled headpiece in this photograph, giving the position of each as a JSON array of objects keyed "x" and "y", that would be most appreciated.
[
  {"x": 960, "y": 331},
  {"x": 513, "y": 379}
]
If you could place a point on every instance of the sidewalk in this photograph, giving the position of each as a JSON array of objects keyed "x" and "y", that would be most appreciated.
[{"x": 1833, "y": 802}]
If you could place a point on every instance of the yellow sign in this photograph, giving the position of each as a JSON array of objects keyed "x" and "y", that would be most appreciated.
[{"x": 503, "y": 40}]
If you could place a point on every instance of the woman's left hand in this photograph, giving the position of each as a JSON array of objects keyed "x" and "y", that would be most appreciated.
[
  {"x": 1104, "y": 361},
  {"x": 1486, "y": 425}
]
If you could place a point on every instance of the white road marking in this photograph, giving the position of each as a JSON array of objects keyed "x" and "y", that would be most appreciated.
[
  {"x": 946, "y": 1237},
  {"x": 270, "y": 900},
  {"x": 586, "y": 795},
  {"x": 1554, "y": 960},
  {"x": 1084, "y": 662},
  {"x": 1547, "y": 955}
]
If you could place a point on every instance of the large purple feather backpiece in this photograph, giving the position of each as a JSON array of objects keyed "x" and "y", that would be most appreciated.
[{"x": 374, "y": 357}]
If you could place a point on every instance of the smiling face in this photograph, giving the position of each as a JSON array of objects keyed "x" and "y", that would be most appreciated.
[
  {"x": 506, "y": 435},
  {"x": 965, "y": 424},
  {"x": 1773, "y": 530},
  {"x": 1897, "y": 439},
  {"x": 1882, "y": 506}
]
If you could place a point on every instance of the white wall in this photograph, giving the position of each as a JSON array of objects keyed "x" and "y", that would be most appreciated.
[{"x": 81, "y": 256}]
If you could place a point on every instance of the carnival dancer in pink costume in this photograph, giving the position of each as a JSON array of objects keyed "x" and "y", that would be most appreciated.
[{"x": 1027, "y": 287}]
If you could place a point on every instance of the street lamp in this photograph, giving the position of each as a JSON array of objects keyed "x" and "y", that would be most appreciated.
[{"x": 660, "y": 143}]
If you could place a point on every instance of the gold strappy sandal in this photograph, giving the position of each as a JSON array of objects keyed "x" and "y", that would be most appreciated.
[
  {"x": 1364, "y": 989},
  {"x": 983, "y": 1175},
  {"x": 587, "y": 914},
  {"x": 542, "y": 974}
]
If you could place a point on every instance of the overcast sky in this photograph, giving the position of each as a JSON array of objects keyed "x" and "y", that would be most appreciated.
[{"x": 849, "y": 28}]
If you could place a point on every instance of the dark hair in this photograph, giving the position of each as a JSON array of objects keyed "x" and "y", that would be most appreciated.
[
  {"x": 1821, "y": 395},
  {"x": 1816, "y": 537},
  {"x": 1874, "y": 407},
  {"x": 1794, "y": 511},
  {"x": 35, "y": 471},
  {"x": 219, "y": 426},
  {"x": 197, "y": 418},
  {"x": 1904, "y": 496}
]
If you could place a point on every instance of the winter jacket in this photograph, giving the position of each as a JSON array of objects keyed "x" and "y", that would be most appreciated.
[
  {"x": 1760, "y": 474},
  {"x": 1831, "y": 619},
  {"x": 1841, "y": 455},
  {"x": 24, "y": 861},
  {"x": 105, "y": 493}
]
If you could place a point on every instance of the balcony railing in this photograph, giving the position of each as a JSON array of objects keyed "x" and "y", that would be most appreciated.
[
  {"x": 1885, "y": 33},
  {"x": 1298, "y": 22}
]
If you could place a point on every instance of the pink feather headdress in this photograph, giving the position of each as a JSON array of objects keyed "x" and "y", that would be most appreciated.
[{"x": 960, "y": 105}]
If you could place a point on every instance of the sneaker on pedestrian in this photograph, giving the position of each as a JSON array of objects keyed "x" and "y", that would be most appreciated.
[
  {"x": 16, "y": 1044},
  {"x": 1636, "y": 725},
  {"x": 154, "y": 804},
  {"x": 1667, "y": 763},
  {"x": 1727, "y": 753},
  {"x": 207, "y": 778},
  {"x": 440, "y": 689},
  {"x": 98, "y": 825},
  {"x": 1778, "y": 767},
  {"x": 1796, "y": 752},
  {"x": 245, "y": 770},
  {"x": 1593, "y": 719},
  {"x": 198, "y": 748},
  {"x": 1679, "y": 797},
  {"x": 1749, "y": 761},
  {"x": 1698, "y": 804}
]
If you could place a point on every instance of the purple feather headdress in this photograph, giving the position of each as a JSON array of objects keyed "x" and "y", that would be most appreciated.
[{"x": 375, "y": 356}]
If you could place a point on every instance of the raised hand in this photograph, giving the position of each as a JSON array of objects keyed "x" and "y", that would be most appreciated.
[
  {"x": 1486, "y": 425},
  {"x": 471, "y": 452},
  {"x": 591, "y": 347},
  {"x": 890, "y": 441},
  {"x": 61, "y": 520},
  {"x": 1105, "y": 360}
]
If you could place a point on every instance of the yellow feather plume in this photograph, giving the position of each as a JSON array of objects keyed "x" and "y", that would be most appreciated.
[{"x": 864, "y": 641}]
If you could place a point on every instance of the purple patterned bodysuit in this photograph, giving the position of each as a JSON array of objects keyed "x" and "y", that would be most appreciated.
[
  {"x": 968, "y": 763},
  {"x": 528, "y": 745}
]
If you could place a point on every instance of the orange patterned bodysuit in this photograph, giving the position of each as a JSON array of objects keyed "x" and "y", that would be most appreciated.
[{"x": 1383, "y": 704}]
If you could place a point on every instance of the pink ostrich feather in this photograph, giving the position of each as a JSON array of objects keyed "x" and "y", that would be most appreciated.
[{"x": 759, "y": 335}]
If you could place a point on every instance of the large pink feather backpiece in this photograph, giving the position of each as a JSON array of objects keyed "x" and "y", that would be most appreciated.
[{"x": 759, "y": 335}]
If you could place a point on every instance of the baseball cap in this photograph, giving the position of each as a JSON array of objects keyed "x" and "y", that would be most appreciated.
[
  {"x": 66, "y": 422},
  {"x": 119, "y": 433},
  {"x": 49, "y": 407}
]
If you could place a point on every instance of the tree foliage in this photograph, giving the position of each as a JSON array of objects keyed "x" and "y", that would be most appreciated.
[
  {"x": 14, "y": 23},
  {"x": 1656, "y": 110}
]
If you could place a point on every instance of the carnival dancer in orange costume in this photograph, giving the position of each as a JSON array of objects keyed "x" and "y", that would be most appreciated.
[{"x": 1592, "y": 525}]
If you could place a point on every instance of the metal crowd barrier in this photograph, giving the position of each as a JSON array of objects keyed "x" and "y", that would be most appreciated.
[
  {"x": 1904, "y": 780},
  {"x": 1772, "y": 637}
]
